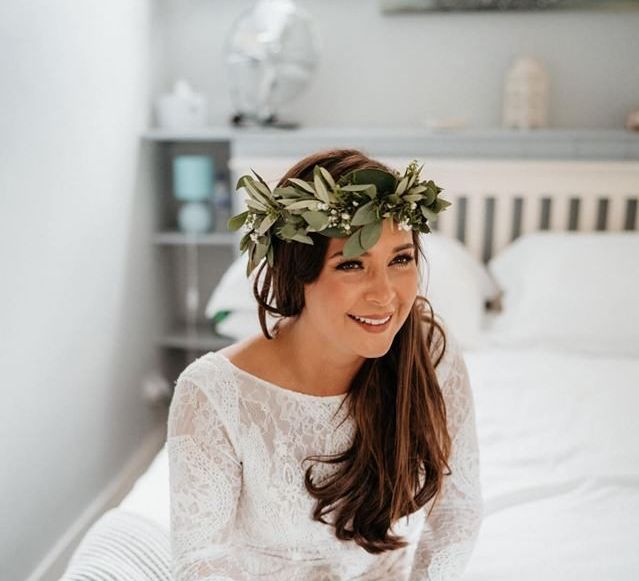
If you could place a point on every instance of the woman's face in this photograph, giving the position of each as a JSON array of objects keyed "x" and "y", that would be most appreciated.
[{"x": 381, "y": 286}]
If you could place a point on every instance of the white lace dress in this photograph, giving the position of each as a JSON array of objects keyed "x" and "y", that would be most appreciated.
[{"x": 239, "y": 507}]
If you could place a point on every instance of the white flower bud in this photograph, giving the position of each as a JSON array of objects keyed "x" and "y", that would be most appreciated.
[{"x": 346, "y": 216}]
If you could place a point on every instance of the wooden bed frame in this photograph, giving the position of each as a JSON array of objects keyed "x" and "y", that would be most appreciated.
[{"x": 497, "y": 200}]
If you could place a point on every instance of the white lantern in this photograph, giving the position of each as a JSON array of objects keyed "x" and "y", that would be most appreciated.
[{"x": 526, "y": 95}]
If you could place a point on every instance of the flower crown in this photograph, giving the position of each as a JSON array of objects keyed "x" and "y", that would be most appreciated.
[{"x": 355, "y": 207}]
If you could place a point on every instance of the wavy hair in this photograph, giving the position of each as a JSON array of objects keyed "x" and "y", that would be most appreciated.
[{"x": 401, "y": 444}]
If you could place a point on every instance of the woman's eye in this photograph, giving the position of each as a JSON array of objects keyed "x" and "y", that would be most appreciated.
[
  {"x": 404, "y": 259},
  {"x": 401, "y": 260},
  {"x": 347, "y": 265}
]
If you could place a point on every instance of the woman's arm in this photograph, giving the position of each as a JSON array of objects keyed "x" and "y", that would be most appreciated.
[
  {"x": 205, "y": 477},
  {"x": 450, "y": 532}
]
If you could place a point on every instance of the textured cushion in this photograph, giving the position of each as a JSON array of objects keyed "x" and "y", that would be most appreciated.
[{"x": 122, "y": 546}]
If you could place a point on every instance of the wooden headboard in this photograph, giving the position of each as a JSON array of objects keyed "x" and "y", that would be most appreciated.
[{"x": 495, "y": 201}]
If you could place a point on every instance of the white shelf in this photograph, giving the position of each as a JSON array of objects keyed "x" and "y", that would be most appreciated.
[
  {"x": 548, "y": 143},
  {"x": 173, "y": 238}
]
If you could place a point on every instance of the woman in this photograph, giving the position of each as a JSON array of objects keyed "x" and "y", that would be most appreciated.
[{"x": 340, "y": 444}]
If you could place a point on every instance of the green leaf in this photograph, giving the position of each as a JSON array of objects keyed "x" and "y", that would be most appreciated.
[
  {"x": 353, "y": 246},
  {"x": 317, "y": 220},
  {"x": 287, "y": 231},
  {"x": 328, "y": 177},
  {"x": 256, "y": 205},
  {"x": 303, "y": 204},
  {"x": 401, "y": 188},
  {"x": 244, "y": 242},
  {"x": 365, "y": 214},
  {"x": 260, "y": 179},
  {"x": 428, "y": 214},
  {"x": 418, "y": 189},
  {"x": 333, "y": 233},
  {"x": 412, "y": 197},
  {"x": 355, "y": 188},
  {"x": 370, "y": 234},
  {"x": 383, "y": 181},
  {"x": 431, "y": 194},
  {"x": 260, "y": 251},
  {"x": 237, "y": 221},
  {"x": 302, "y": 184},
  {"x": 320, "y": 186},
  {"x": 287, "y": 192},
  {"x": 299, "y": 237},
  {"x": 251, "y": 187},
  {"x": 266, "y": 223}
]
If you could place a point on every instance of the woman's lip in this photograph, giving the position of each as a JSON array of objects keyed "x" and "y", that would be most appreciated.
[
  {"x": 372, "y": 328},
  {"x": 374, "y": 317}
]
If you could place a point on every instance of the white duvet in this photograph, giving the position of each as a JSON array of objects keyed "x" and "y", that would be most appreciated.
[
  {"x": 559, "y": 458},
  {"x": 559, "y": 445}
]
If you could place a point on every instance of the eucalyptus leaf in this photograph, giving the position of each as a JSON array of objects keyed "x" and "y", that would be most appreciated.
[
  {"x": 401, "y": 188},
  {"x": 320, "y": 186},
  {"x": 353, "y": 246},
  {"x": 287, "y": 192},
  {"x": 354, "y": 188},
  {"x": 333, "y": 233},
  {"x": 328, "y": 177},
  {"x": 365, "y": 214},
  {"x": 418, "y": 189},
  {"x": 370, "y": 234},
  {"x": 299, "y": 237},
  {"x": 256, "y": 205},
  {"x": 287, "y": 231},
  {"x": 303, "y": 204},
  {"x": 383, "y": 181},
  {"x": 317, "y": 220},
  {"x": 236, "y": 222},
  {"x": 266, "y": 223},
  {"x": 244, "y": 242},
  {"x": 302, "y": 184},
  {"x": 428, "y": 214},
  {"x": 251, "y": 187},
  {"x": 260, "y": 251}
]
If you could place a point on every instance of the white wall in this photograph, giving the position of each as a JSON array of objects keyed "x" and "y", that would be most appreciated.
[
  {"x": 76, "y": 264},
  {"x": 390, "y": 70}
]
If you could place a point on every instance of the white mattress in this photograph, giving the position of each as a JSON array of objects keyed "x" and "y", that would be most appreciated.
[{"x": 559, "y": 460}]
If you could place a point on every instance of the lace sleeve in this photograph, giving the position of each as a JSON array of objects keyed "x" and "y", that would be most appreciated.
[
  {"x": 450, "y": 532},
  {"x": 205, "y": 477}
]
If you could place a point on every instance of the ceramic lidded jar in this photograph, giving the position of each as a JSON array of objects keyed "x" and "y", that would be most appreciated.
[{"x": 526, "y": 95}]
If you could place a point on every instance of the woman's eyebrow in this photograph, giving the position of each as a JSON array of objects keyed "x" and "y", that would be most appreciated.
[{"x": 396, "y": 249}]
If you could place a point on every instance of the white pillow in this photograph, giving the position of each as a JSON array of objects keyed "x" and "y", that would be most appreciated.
[
  {"x": 457, "y": 286},
  {"x": 572, "y": 290},
  {"x": 456, "y": 283}
]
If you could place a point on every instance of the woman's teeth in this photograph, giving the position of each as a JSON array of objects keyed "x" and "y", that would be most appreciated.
[{"x": 371, "y": 321}]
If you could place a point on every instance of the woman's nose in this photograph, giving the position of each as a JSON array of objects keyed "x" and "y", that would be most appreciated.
[{"x": 381, "y": 291}]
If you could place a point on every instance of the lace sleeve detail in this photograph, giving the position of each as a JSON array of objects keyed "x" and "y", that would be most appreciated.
[
  {"x": 450, "y": 532},
  {"x": 205, "y": 477}
]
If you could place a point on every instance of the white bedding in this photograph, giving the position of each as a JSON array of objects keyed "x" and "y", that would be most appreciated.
[
  {"x": 559, "y": 458},
  {"x": 559, "y": 446}
]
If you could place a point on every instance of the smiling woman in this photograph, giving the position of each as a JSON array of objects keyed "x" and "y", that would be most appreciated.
[{"x": 356, "y": 376}]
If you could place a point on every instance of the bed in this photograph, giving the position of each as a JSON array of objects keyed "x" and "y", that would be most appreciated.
[{"x": 538, "y": 283}]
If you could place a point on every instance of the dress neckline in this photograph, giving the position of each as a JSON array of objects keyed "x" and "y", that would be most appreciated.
[{"x": 280, "y": 388}]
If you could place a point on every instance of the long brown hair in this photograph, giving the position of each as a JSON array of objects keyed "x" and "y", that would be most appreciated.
[{"x": 395, "y": 464}]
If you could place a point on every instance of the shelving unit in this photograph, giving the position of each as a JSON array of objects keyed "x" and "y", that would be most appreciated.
[{"x": 191, "y": 265}]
